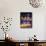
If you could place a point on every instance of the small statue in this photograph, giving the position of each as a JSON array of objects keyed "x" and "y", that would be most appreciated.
[{"x": 35, "y": 38}]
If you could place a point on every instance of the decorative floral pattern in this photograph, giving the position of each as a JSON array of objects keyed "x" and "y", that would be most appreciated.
[{"x": 35, "y": 3}]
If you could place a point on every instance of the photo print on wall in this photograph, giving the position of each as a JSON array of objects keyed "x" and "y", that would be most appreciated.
[{"x": 25, "y": 19}]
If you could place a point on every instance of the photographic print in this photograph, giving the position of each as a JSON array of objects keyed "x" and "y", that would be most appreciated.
[{"x": 26, "y": 19}]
